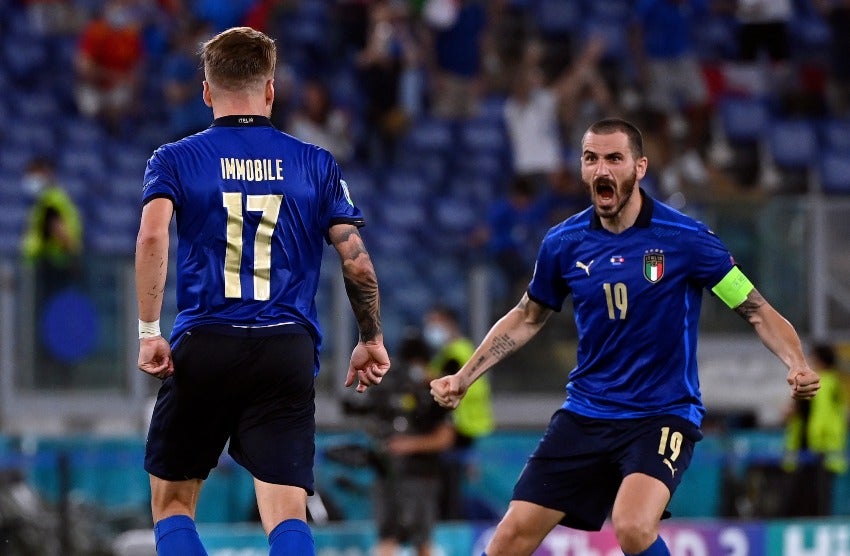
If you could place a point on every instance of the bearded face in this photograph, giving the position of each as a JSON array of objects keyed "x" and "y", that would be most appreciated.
[{"x": 610, "y": 172}]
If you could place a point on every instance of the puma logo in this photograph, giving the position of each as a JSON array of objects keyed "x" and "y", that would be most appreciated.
[
  {"x": 670, "y": 465},
  {"x": 584, "y": 267}
]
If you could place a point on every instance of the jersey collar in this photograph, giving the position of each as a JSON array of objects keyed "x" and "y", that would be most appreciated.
[
  {"x": 644, "y": 218},
  {"x": 242, "y": 121}
]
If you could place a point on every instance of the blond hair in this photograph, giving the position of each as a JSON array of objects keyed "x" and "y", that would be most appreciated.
[{"x": 239, "y": 58}]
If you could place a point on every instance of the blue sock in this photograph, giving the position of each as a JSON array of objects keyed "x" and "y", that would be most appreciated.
[
  {"x": 177, "y": 536},
  {"x": 658, "y": 548},
  {"x": 291, "y": 536}
]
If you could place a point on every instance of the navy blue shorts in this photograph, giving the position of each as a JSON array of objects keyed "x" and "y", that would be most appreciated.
[
  {"x": 580, "y": 462},
  {"x": 256, "y": 392}
]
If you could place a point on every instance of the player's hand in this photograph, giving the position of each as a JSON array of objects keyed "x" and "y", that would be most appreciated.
[
  {"x": 155, "y": 357},
  {"x": 804, "y": 383},
  {"x": 369, "y": 363},
  {"x": 448, "y": 390}
]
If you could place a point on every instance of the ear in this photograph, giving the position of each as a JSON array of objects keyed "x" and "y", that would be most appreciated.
[
  {"x": 207, "y": 94},
  {"x": 640, "y": 167},
  {"x": 269, "y": 92}
]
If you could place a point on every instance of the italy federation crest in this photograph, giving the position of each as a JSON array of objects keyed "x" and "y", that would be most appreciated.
[{"x": 653, "y": 266}]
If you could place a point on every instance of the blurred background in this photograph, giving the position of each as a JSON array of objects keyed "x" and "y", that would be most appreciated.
[{"x": 457, "y": 125}]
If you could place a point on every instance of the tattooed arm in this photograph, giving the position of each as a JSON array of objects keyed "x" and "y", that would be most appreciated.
[
  {"x": 780, "y": 337},
  {"x": 510, "y": 333},
  {"x": 369, "y": 360}
]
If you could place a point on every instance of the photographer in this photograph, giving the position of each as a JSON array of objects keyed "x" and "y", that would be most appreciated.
[{"x": 411, "y": 431}]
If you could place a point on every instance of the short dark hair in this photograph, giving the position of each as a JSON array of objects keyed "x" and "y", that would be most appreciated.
[
  {"x": 824, "y": 353},
  {"x": 239, "y": 57},
  {"x": 614, "y": 125}
]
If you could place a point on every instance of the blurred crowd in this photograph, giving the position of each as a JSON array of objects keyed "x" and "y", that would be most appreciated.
[{"x": 483, "y": 101}]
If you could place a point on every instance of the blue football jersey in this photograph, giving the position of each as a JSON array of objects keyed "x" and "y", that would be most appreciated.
[
  {"x": 637, "y": 299},
  {"x": 253, "y": 207}
]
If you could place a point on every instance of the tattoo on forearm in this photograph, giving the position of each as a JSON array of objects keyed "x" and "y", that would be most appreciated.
[
  {"x": 502, "y": 346},
  {"x": 364, "y": 298},
  {"x": 750, "y": 305},
  {"x": 361, "y": 282},
  {"x": 477, "y": 364}
]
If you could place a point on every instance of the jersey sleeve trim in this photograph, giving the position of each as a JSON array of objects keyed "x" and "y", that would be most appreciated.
[
  {"x": 153, "y": 196},
  {"x": 734, "y": 288},
  {"x": 359, "y": 222},
  {"x": 541, "y": 302}
]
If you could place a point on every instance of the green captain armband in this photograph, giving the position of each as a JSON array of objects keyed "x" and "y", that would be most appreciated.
[{"x": 734, "y": 288}]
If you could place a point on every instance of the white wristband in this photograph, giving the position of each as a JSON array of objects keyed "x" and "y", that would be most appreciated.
[{"x": 149, "y": 329}]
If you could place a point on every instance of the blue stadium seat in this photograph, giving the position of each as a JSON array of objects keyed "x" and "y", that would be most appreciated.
[
  {"x": 407, "y": 185},
  {"x": 14, "y": 158},
  {"x": 834, "y": 172},
  {"x": 835, "y": 135},
  {"x": 36, "y": 106},
  {"x": 792, "y": 143},
  {"x": 744, "y": 119},
  {"x": 403, "y": 216},
  {"x": 482, "y": 135},
  {"x": 36, "y": 136},
  {"x": 23, "y": 55},
  {"x": 13, "y": 215},
  {"x": 557, "y": 17},
  {"x": 613, "y": 10},
  {"x": 429, "y": 135},
  {"x": 455, "y": 216}
]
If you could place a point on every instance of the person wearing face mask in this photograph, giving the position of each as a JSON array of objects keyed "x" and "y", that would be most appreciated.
[
  {"x": 472, "y": 419},
  {"x": 53, "y": 240},
  {"x": 413, "y": 433}
]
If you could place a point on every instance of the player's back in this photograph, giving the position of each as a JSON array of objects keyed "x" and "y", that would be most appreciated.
[{"x": 253, "y": 206}]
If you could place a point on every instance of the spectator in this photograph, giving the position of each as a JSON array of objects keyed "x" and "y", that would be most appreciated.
[
  {"x": 381, "y": 64},
  {"x": 837, "y": 13},
  {"x": 816, "y": 440},
  {"x": 108, "y": 63},
  {"x": 52, "y": 246},
  {"x": 513, "y": 227},
  {"x": 407, "y": 493},
  {"x": 473, "y": 419},
  {"x": 53, "y": 241},
  {"x": 532, "y": 110},
  {"x": 319, "y": 122},
  {"x": 457, "y": 33},
  {"x": 673, "y": 84},
  {"x": 183, "y": 80}
]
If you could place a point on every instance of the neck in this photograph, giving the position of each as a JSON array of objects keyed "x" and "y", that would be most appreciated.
[{"x": 223, "y": 108}]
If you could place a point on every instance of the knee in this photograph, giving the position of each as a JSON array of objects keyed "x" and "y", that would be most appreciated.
[{"x": 635, "y": 535}]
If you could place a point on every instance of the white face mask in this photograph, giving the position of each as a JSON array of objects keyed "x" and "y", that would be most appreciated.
[
  {"x": 33, "y": 184},
  {"x": 435, "y": 335}
]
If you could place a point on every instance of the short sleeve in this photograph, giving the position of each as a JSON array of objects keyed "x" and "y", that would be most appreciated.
[
  {"x": 338, "y": 206},
  {"x": 711, "y": 259},
  {"x": 548, "y": 285},
  {"x": 161, "y": 180}
]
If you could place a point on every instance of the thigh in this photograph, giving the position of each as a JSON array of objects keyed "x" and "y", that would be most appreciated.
[
  {"x": 572, "y": 471},
  {"x": 274, "y": 437},
  {"x": 170, "y": 498}
]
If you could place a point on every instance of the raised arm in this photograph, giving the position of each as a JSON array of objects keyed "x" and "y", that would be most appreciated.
[
  {"x": 511, "y": 332},
  {"x": 369, "y": 360},
  {"x": 780, "y": 337},
  {"x": 151, "y": 270}
]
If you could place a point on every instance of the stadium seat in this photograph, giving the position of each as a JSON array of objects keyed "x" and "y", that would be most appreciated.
[
  {"x": 834, "y": 171},
  {"x": 429, "y": 135},
  {"x": 835, "y": 135},
  {"x": 483, "y": 136},
  {"x": 557, "y": 17},
  {"x": 407, "y": 185},
  {"x": 792, "y": 143},
  {"x": 744, "y": 119}
]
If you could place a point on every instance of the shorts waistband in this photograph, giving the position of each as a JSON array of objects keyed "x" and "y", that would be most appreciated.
[{"x": 252, "y": 331}]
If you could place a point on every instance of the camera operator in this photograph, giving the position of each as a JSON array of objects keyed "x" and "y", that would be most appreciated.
[{"x": 411, "y": 431}]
